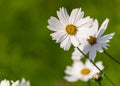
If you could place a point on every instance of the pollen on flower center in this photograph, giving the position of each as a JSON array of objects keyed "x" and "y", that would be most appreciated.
[
  {"x": 71, "y": 29},
  {"x": 91, "y": 40},
  {"x": 85, "y": 71}
]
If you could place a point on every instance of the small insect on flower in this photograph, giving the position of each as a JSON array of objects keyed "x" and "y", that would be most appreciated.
[
  {"x": 70, "y": 29},
  {"x": 95, "y": 42},
  {"x": 82, "y": 71}
]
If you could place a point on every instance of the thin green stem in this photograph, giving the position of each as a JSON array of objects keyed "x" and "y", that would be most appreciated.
[
  {"x": 109, "y": 79},
  {"x": 98, "y": 68},
  {"x": 99, "y": 83},
  {"x": 89, "y": 83},
  {"x": 90, "y": 60},
  {"x": 112, "y": 57}
]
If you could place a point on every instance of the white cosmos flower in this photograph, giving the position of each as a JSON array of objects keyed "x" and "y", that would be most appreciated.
[
  {"x": 82, "y": 71},
  {"x": 22, "y": 83},
  {"x": 95, "y": 42},
  {"x": 16, "y": 83},
  {"x": 69, "y": 29},
  {"x": 4, "y": 83}
]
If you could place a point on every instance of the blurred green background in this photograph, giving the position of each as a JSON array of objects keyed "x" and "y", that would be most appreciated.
[{"x": 27, "y": 50}]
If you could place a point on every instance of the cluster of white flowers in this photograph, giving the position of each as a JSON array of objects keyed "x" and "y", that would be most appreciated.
[
  {"x": 87, "y": 38},
  {"x": 16, "y": 83}
]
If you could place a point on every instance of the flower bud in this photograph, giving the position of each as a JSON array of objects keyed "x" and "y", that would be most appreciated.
[{"x": 97, "y": 77}]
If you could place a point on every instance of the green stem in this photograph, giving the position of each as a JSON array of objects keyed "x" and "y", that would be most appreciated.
[
  {"x": 97, "y": 68},
  {"x": 112, "y": 57},
  {"x": 89, "y": 84},
  {"x": 99, "y": 83},
  {"x": 90, "y": 60},
  {"x": 109, "y": 79}
]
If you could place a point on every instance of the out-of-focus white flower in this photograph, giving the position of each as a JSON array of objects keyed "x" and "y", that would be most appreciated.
[
  {"x": 16, "y": 83},
  {"x": 70, "y": 29},
  {"x": 5, "y": 83},
  {"x": 22, "y": 83},
  {"x": 95, "y": 42},
  {"x": 82, "y": 71}
]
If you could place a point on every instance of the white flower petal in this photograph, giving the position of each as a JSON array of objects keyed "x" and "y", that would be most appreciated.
[
  {"x": 103, "y": 27},
  {"x": 16, "y": 83},
  {"x": 88, "y": 63},
  {"x": 92, "y": 53},
  {"x": 85, "y": 22},
  {"x": 76, "y": 55},
  {"x": 86, "y": 48},
  {"x": 105, "y": 46},
  {"x": 100, "y": 65},
  {"x": 77, "y": 66},
  {"x": 4, "y": 83},
  {"x": 68, "y": 70},
  {"x": 63, "y": 16},
  {"x": 95, "y": 26},
  {"x": 76, "y": 58},
  {"x": 85, "y": 78},
  {"x": 74, "y": 41},
  {"x": 105, "y": 39},
  {"x": 54, "y": 24},
  {"x": 99, "y": 47},
  {"x": 24, "y": 83},
  {"x": 66, "y": 43},
  {"x": 84, "y": 33},
  {"x": 59, "y": 36},
  {"x": 75, "y": 15},
  {"x": 79, "y": 15},
  {"x": 70, "y": 78}
]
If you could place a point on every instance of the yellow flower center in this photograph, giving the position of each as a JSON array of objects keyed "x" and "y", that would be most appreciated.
[
  {"x": 85, "y": 71},
  {"x": 91, "y": 40},
  {"x": 71, "y": 29}
]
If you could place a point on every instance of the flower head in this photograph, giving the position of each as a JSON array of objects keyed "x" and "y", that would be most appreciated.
[
  {"x": 82, "y": 71},
  {"x": 69, "y": 29},
  {"x": 4, "y": 83},
  {"x": 94, "y": 42},
  {"x": 22, "y": 83},
  {"x": 16, "y": 83}
]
